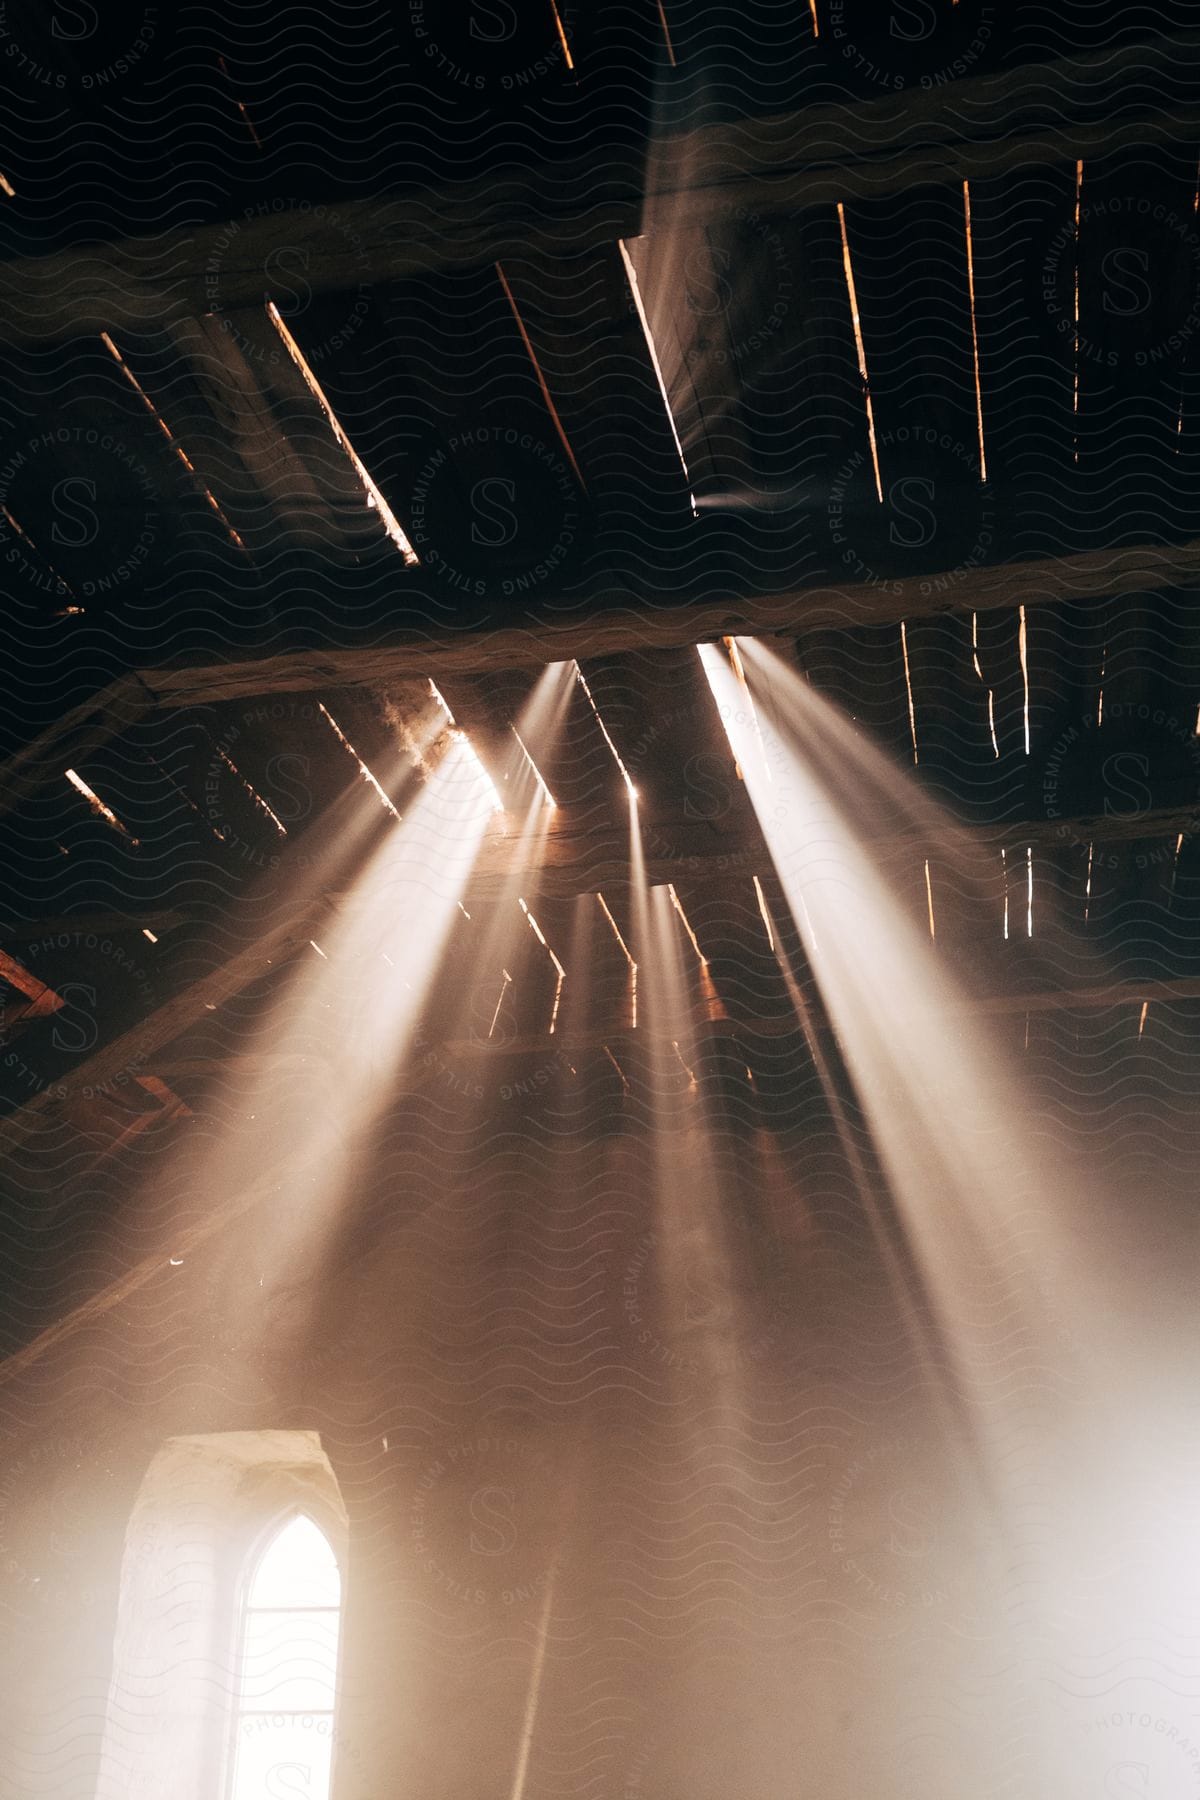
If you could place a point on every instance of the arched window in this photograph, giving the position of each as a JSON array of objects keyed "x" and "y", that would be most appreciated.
[
  {"x": 283, "y": 1737},
  {"x": 225, "y": 1652}
]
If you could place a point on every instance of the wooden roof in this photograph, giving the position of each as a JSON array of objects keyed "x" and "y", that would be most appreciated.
[{"x": 307, "y": 401}]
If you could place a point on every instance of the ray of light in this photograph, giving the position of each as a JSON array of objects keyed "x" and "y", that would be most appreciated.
[
  {"x": 616, "y": 755},
  {"x": 895, "y": 1009}
]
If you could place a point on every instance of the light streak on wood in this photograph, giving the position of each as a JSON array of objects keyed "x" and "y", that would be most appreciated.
[
  {"x": 460, "y": 737},
  {"x": 247, "y": 120},
  {"x": 616, "y": 1065},
  {"x": 26, "y": 539},
  {"x": 362, "y": 767},
  {"x": 318, "y": 949},
  {"x": 912, "y": 711},
  {"x": 561, "y": 973},
  {"x": 666, "y": 31},
  {"x": 1075, "y": 339},
  {"x": 762, "y": 907},
  {"x": 436, "y": 691},
  {"x": 929, "y": 899},
  {"x": 1023, "y": 651},
  {"x": 979, "y": 671},
  {"x": 1142, "y": 1020},
  {"x": 695, "y": 943},
  {"x": 582, "y": 679},
  {"x": 974, "y": 329},
  {"x": 253, "y": 792},
  {"x": 690, "y": 1073},
  {"x": 6, "y": 187},
  {"x": 860, "y": 348},
  {"x": 1029, "y": 890},
  {"x": 629, "y": 958},
  {"x": 176, "y": 447},
  {"x": 547, "y": 796},
  {"x": 97, "y": 805},
  {"x": 547, "y": 397},
  {"x": 375, "y": 499},
  {"x": 504, "y": 987},
  {"x": 562, "y": 36},
  {"x": 636, "y": 291}
]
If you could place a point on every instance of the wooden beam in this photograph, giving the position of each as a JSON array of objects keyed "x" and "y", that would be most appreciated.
[
  {"x": 536, "y": 641},
  {"x": 40, "y": 998},
  {"x": 256, "y": 466},
  {"x": 145, "y": 283},
  {"x": 73, "y": 738},
  {"x": 101, "y": 924},
  {"x": 122, "y": 1061},
  {"x": 182, "y": 1243},
  {"x": 562, "y": 864},
  {"x": 578, "y": 863},
  {"x": 1132, "y": 994},
  {"x": 786, "y": 163},
  {"x": 1020, "y": 98},
  {"x": 786, "y": 191}
]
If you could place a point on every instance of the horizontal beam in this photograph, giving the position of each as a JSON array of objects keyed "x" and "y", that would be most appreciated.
[
  {"x": 1094, "y": 574},
  {"x": 1152, "y": 72},
  {"x": 235, "y": 1072},
  {"x": 560, "y": 865},
  {"x": 96, "y": 924},
  {"x": 968, "y": 130},
  {"x": 577, "y": 864},
  {"x": 1132, "y": 994},
  {"x": 145, "y": 284}
]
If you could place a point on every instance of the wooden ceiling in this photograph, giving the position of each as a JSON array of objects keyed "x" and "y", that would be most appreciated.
[{"x": 450, "y": 369}]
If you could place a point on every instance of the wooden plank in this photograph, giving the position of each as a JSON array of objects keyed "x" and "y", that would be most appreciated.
[
  {"x": 106, "y": 924},
  {"x": 249, "y": 442},
  {"x": 574, "y": 863},
  {"x": 125, "y": 1057},
  {"x": 1134, "y": 569},
  {"x": 1102, "y": 998},
  {"x": 145, "y": 283},
  {"x": 73, "y": 738}
]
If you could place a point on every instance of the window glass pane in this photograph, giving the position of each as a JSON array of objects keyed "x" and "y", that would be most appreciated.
[
  {"x": 284, "y": 1730},
  {"x": 298, "y": 1569},
  {"x": 289, "y": 1661},
  {"x": 278, "y": 1754}
]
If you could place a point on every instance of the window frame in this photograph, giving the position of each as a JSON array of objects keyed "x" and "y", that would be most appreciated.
[{"x": 253, "y": 1549}]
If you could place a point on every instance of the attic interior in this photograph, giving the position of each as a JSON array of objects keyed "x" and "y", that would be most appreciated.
[{"x": 600, "y": 952}]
